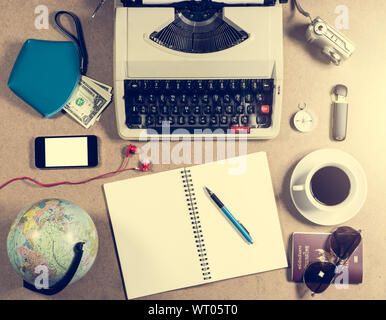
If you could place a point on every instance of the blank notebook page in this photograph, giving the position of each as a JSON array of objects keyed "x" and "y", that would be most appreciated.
[
  {"x": 243, "y": 185},
  {"x": 153, "y": 233}
]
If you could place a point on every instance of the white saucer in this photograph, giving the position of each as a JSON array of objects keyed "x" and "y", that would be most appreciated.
[{"x": 330, "y": 218}]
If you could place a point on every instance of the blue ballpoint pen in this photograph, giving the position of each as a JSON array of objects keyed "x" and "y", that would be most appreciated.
[{"x": 232, "y": 219}]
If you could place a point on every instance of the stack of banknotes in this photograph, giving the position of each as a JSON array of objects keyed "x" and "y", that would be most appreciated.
[{"x": 88, "y": 102}]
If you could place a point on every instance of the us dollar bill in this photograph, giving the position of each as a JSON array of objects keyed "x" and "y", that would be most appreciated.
[
  {"x": 88, "y": 102},
  {"x": 101, "y": 85}
]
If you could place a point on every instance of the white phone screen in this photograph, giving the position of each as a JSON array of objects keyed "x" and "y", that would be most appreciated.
[{"x": 66, "y": 152}]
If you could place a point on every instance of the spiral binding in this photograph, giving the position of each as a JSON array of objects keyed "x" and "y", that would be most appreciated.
[{"x": 195, "y": 221}]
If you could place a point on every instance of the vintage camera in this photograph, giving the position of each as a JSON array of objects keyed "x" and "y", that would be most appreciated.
[{"x": 334, "y": 45}]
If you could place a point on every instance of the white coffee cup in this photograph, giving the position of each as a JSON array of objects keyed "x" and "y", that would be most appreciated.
[{"x": 302, "y": 189}]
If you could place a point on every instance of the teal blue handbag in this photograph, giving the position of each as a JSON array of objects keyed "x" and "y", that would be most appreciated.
[{"x": 46, "y": 73}]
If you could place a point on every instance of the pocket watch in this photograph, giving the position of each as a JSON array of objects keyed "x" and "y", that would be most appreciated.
[{"x": 304, "y": 120}]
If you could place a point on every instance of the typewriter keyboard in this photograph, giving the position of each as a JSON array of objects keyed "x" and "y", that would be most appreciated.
[{"x": 230, "y": 105}]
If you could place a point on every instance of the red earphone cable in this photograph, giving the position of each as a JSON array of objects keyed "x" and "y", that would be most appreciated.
[{"x": 131, "y": 149}]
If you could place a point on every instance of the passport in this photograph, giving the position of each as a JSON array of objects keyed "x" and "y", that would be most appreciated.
[{"x": 308, "y": 247}]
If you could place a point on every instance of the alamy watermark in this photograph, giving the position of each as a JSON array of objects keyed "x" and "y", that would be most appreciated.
[
  {"x": 42, "y": 280},
  {"x": 343, "y": 19},
  {"x": 341, "y": 280},
  {"x": 42, "y": 19},
  {"x": 190, "y": 150}
]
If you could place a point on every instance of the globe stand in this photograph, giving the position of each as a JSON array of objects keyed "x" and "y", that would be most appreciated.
[{"x": 61, "y": 284}]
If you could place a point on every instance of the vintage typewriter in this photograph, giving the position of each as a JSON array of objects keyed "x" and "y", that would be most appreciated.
[{"x": 198, "y": 68}]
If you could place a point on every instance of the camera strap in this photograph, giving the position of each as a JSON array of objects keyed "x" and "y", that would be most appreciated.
[{"x": 301, "y": 10}]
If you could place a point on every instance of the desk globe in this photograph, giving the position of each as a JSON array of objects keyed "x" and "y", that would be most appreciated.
[{"x": 45, "y": 234}]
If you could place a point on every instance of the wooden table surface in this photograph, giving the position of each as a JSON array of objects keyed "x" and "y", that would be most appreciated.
[{"x": 308, "y": 79}]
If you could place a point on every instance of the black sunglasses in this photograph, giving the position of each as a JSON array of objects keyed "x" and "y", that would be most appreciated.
[{"x": 342, "y": 243}]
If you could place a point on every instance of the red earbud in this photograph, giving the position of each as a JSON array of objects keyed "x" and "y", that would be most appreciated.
[
  {"x": 144, "y": 165},
  {"x": 131, "y": 149}
]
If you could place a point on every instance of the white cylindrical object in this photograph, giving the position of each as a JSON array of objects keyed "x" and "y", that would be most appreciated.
[{"x": 340, "y": 115}]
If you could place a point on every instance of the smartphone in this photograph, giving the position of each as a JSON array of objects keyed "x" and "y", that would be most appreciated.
[{"x": 66, "y": 152}]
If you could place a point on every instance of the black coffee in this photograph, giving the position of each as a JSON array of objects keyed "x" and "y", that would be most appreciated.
[{"x": 330, "y": 185}]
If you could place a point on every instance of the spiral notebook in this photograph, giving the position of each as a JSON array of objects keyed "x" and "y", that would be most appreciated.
[{"x": 170, "y": 235}]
